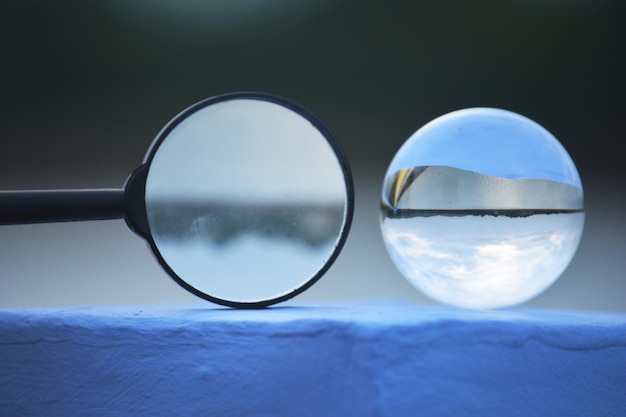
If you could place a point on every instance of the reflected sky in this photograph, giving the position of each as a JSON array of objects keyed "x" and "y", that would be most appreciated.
[
  {"x": 491, "y": 142},
  {"x": 246, "y": 150},
  {"x": 483, "y": 261},
  {"x": 251, "y": 268}
]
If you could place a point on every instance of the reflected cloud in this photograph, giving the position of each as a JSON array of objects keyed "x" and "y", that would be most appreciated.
[{"x": 483, "y": 261}]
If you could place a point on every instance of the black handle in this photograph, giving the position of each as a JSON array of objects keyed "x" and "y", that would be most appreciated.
[{"x": 24, "y": 207}]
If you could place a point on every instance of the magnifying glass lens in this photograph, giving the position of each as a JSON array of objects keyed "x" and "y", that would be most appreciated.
[{"x": 248, "y": 199}]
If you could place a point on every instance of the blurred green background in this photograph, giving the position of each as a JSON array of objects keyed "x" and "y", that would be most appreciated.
[{"x": 87, "y": 85}]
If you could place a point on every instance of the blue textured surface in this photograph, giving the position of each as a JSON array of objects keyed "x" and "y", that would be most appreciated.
[{"x": 300, "y": 361}]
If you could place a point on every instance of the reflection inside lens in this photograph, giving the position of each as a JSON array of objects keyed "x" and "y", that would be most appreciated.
[
  {"x": 246, "y": 200},
  {"x": 482, "y": 208}
]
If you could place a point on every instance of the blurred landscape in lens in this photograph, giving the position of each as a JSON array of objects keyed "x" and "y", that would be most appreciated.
[
  {"x": 245, "y": 252},
  {"x": 221, "y": 223}
]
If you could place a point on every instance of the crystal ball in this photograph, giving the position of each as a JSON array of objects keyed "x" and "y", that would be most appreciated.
[{"x": 482, "y": 208}]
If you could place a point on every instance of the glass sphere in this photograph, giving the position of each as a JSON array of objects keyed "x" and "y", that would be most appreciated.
[{"x": 482, "y": 208}]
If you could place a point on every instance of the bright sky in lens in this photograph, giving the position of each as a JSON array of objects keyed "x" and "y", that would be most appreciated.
[
  {"x": 491, "y": 142},
  {"x": 246, "y": 150}
]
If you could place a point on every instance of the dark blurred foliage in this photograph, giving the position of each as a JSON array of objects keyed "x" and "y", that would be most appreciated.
[{"x": 86, "y": 85}]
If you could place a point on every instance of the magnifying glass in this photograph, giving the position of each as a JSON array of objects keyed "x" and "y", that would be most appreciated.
[{"x": 245, "y": 199}]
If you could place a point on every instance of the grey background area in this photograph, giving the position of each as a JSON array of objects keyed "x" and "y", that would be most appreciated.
[{"x": 86, "y": 86}]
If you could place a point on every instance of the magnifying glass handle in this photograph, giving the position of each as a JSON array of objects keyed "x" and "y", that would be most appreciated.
[{"x": 26, "y": 207}]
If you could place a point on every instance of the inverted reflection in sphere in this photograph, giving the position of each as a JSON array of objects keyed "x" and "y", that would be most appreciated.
[{"x": 482, "y": 208}]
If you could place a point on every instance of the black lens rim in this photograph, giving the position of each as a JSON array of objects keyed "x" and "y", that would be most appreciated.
[{"x": 339, "y": 153}]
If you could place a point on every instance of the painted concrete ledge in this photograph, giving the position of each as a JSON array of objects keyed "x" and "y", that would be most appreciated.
[{"x": 300, "y": 361}]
